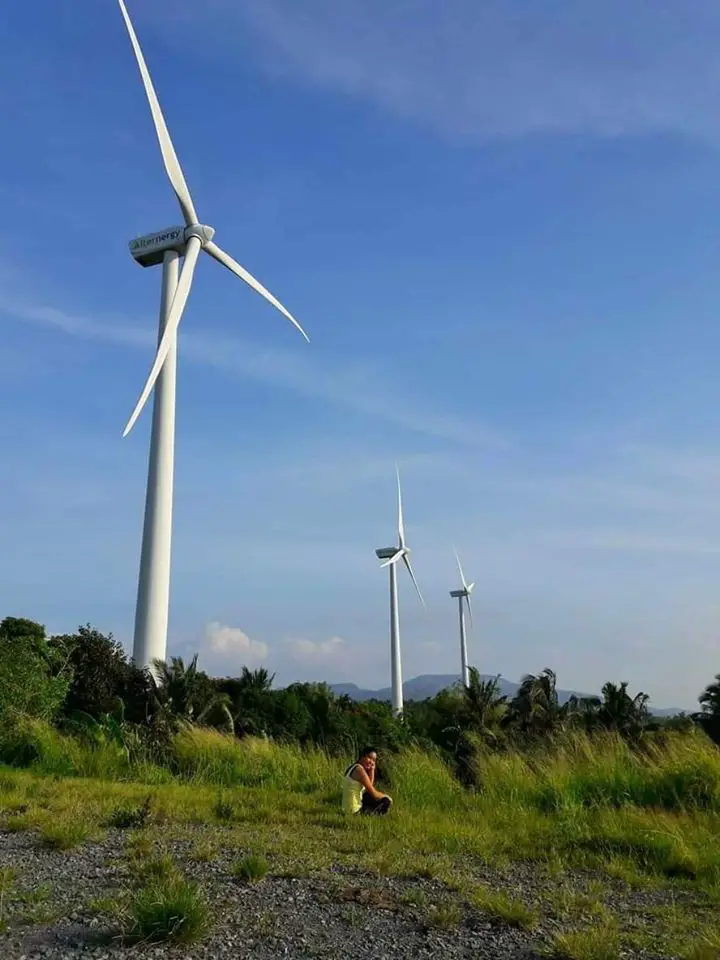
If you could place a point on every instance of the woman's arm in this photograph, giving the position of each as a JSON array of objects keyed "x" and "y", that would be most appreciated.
[{"x": 360, "y": 774}]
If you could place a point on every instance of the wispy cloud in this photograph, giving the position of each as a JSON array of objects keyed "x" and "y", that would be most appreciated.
[
  {"x": 353, "y": 386},
  {"x": 495, "y": 69}
]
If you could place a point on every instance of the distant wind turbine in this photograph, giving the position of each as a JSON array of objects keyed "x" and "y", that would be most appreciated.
[
  {"x": 463, "y": 595},
  {"x": 391, "y": 556},
  {"x": 166, "y": 248}
]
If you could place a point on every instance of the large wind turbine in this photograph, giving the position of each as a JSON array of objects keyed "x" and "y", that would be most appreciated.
[
  {"x": 391, "y": 556},
  {"x": 166, "y": 248},
  {"x": 463, "y": 595}
]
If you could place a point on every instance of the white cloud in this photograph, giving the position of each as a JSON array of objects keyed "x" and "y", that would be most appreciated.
[
  {"x": 492, "y": 69},
  {"x": 317, "y": 651},
  {"x": 231, "y": 647}
]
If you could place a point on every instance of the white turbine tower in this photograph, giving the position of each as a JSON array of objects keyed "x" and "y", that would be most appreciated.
[
  {"x": 166, "y": 248},
  {"x": 463, "y": 595},
  {"x": 391, "y": 556}
]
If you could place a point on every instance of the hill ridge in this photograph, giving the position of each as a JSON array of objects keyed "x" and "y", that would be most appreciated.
[{"x": 430, "y": 684}]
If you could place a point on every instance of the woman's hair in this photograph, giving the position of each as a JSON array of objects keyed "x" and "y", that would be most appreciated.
[{"x": 365, "y": 751}]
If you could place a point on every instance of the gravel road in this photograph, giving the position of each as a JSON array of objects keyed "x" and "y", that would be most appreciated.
[{"x": 331, "y": 915}]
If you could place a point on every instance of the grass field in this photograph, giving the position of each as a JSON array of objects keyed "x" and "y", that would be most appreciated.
[{"x": 588, "y": 847}]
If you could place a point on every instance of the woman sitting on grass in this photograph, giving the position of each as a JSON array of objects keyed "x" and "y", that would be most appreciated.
[{"x": 359, "y": 793}]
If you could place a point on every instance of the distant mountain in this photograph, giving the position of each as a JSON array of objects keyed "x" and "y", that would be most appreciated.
[
  {"x": 669, "y": 711},
  {"x": 430, "y": 684}
]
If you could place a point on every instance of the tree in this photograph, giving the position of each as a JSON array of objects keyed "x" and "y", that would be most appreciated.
[
  {"x": 709, "y": 716},
  {"x": 485, "y": 706},
  {"x": 583, "y": 711},
  {"x": 32, "y": 682},
  {"x": 187, "y": 694},
  {"x": 13, "y": 627},
  {"x": 709, "y": 699},
  {"x": 535, "y": 707},
  {"x": 100, "y": 671},
  {"x": 250, "y": 699},
  {"x": 618, "y": 711}
]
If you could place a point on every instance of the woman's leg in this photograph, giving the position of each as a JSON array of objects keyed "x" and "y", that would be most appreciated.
[{"x": 377, "y": 807}]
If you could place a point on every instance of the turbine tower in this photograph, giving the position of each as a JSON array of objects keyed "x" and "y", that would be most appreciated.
[
  {"x": 463, "y": 595},
  {"x": 166, "y": 248},
  {"x": 391, "y": 556}
]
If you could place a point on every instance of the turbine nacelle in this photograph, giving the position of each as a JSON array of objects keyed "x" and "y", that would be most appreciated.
[
  {"x": 398, "y": 553},
  {"x": 464, "y": 592},
  {"x": 150, "y": 250},
  {"x": 386, "y": 553}
]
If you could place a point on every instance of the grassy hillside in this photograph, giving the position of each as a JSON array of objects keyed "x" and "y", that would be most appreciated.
[{"x": 619, "y": 848}]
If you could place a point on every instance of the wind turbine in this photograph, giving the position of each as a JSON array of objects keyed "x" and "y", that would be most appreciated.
[
  {"x": 166, "y": 248},
  {"x": 392, "y": 556},
  {"x": 463, "y": 594}
]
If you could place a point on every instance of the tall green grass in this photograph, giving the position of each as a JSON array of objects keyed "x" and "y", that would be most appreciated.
[
  {"x": 679, "y": 772},
  {"x": 38, "y": 746},
  {"x": 207, "y": 756}
]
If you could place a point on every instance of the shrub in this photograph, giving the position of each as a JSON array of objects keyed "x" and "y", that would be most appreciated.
[
  {"x": 154, "y": 870},
  {"x": 126, "y": 818},
  {"x": 224, "y": 809},
  {"x": 503, "y": 908},
  {"x": 64, "y": 833},
  {"x": 7, "y": 882},
  {"x": 444, "y": 916},
  {"x": 169, "y": 908},
  {"x": 251, "y": 868}
]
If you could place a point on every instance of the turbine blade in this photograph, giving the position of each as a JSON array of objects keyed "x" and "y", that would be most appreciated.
[
  {"x": 175, "y": 313},
  {"x": 467, "y": 598},
  {"x": 412, "y": 576},
  {"x": 393, "y": 559},
  {"x": 401, "y": 525},
  {"x": 462, "y": 575},
  {"x": 227, "y": 261},
  {"x": 172, "y": 164},
  {"x": 470, "y": 587}
]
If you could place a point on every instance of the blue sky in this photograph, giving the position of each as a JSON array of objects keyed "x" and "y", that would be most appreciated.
[{"x": 499, "y": 223}]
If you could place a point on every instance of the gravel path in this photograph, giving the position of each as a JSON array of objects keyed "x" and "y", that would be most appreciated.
[{"x": 330, "y": 915}]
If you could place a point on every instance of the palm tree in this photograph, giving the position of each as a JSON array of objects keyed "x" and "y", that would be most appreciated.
[
  {"x": 186, "y": 694},
  {"x": 248, "y": 696},
  {"x": 709, "y": 699},
  {"x": 257, "y": 681},
  {"x": 623, "y": 713},
  {"x": 485, "y": 706},
  {"x": 583, "y": 711},
  {"x": 535, "y": 707}
]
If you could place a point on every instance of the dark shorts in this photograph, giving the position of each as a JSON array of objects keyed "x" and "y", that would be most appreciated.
[{"x": 378, "y": 807}]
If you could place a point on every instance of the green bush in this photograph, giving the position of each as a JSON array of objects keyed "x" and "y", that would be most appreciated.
[
  {"x": 33, "y": 682},
  {"x": 131, "y": 817},
  {"x": 170, "y": 908},
  {"x": 251, "y": 868}
]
